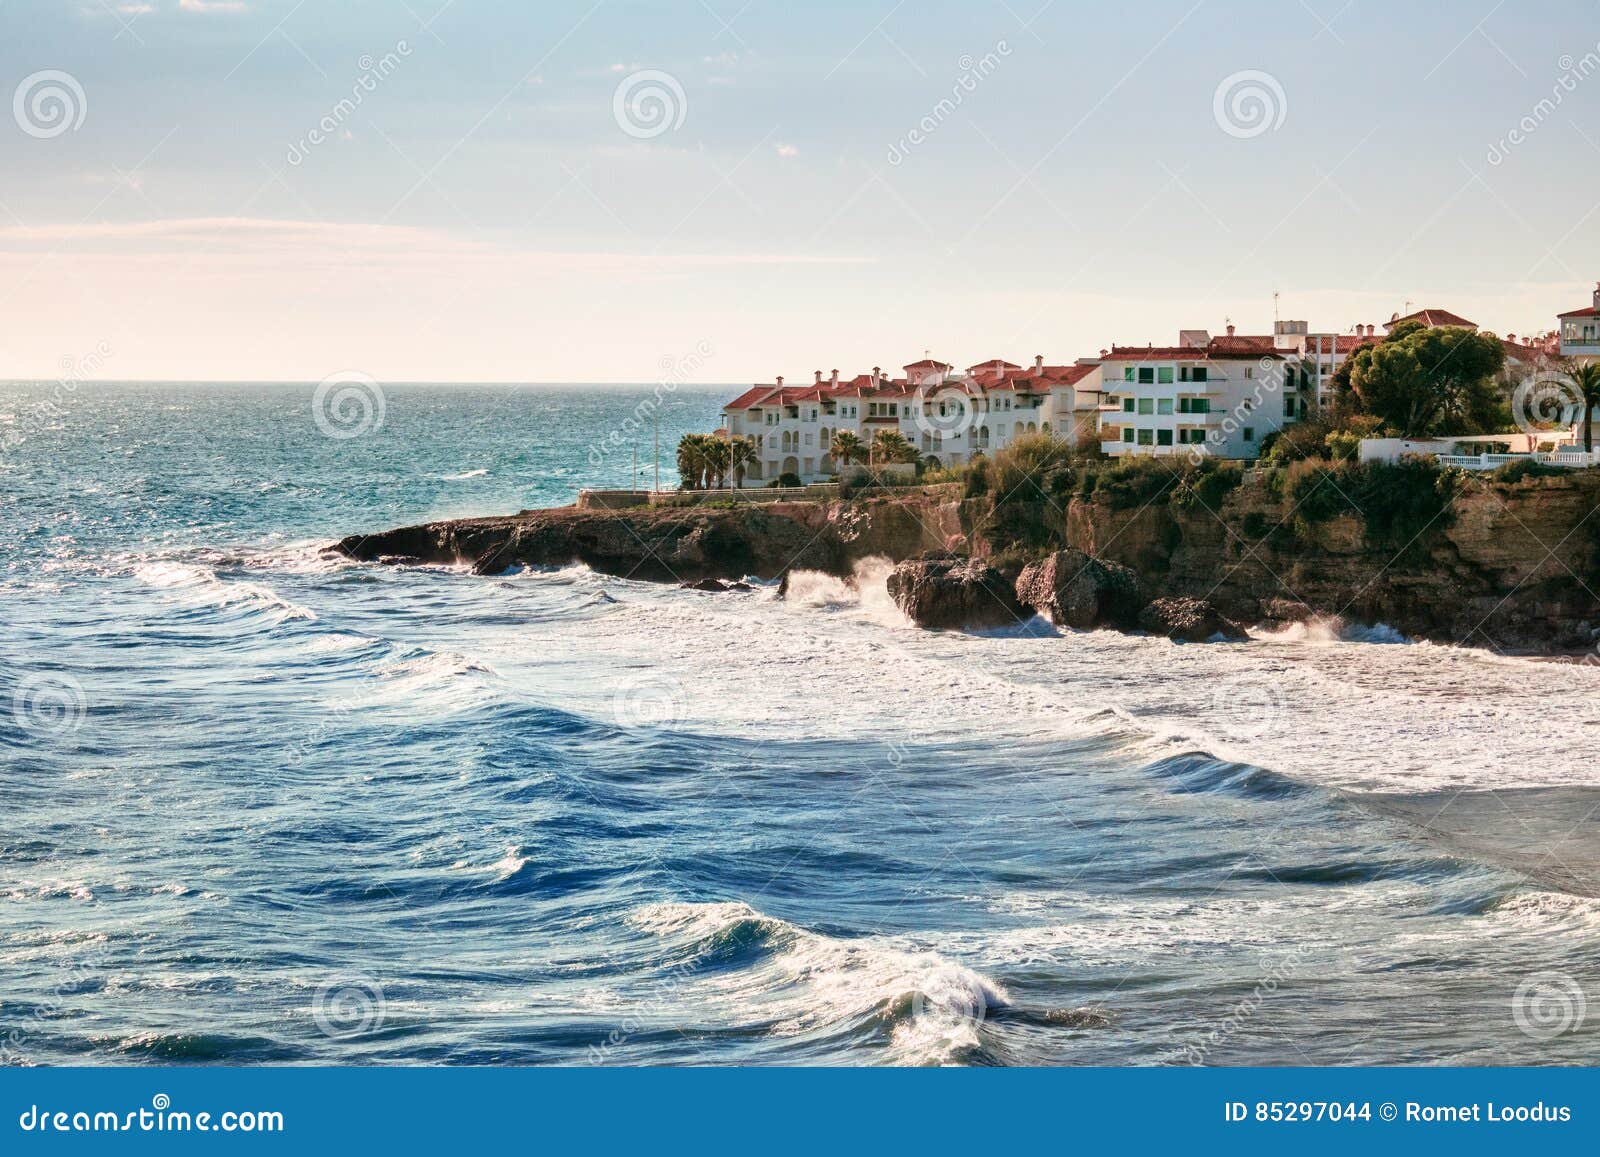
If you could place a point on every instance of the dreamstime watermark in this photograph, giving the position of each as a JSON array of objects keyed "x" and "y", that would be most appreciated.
[
  {"x": 949, "y": 1001},
  {"x": 49, "y": 103},
  {"x": 1249, "y": 103},
  {"x": 49, "y": 706},
  {"x": 1246, "y": 411},
  {"x": 1545, "y": 402},
  {"x": 349, "y": 1006},
  {"x": 649, "y": 700},
  {"x": 948, "y": 410},
  {"x": 14, "y": 1042},
  {"x": 675, "y": 371},
  {"x": 1246, "y": 706},
  {"x": 1548, "y": 1004},
  {"x": 1274, "y": 974},
  {"x": 52, "y": 408},
  {"x": 648, "y": 103},
  {"x": 663, "y": 995},
  {"x": 372, "y": 74},
  {"x": 972, "y": 74},
  {"x": 1572, "y": 73},
  {"x": 348, "y": 404}
]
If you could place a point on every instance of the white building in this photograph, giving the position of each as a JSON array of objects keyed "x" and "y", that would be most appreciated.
[
  {"x": 1215, "y": 396},
  {"x": 1580, "y": 331},
  {"x": 945, "y": 415}
]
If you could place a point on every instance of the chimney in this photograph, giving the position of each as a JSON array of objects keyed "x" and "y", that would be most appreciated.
[
  {"x": 1369, "y": 330},
  {"x": 999, "y": 366},
  {"x": 819, "y": 376},
  {"x": 877, "y": 374},
  {"x": 1230, "y": 329},
  {"x": 835, "y": 379},
  {"x": 1597, "y": 295},
  {"x": 780, "y": 381},
  {"x": 1105, "y": 353},
  {"x": 1511, "y": 337},
  {"x": 1038, "y": 364}
]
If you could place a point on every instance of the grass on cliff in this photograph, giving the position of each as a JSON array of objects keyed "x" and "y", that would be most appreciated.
[{"x": 1398, "y": 503}]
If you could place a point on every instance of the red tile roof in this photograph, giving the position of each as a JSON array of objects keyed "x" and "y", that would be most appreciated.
[
  {"x": 1178, "y": 353},
  {"x": 1433, "y": 317},
  {"x": 991, "y": 365},
  {"x": 927, "y": 364},
  {"x": 1338, "y": 343},
  {"x": 1587, "y": 311}
]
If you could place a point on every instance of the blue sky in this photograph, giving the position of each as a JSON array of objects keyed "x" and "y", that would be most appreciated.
[{"x": 483, "y": 213}]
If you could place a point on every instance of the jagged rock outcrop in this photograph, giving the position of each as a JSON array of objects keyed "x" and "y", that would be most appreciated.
[
  {"x": 943, "y": 590},
  {"x": 1073, "y": 589},
  {"x": 1189, "y": 621}
]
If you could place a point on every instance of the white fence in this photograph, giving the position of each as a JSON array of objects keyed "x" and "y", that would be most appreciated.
[{"x": 1572, "y": 459}]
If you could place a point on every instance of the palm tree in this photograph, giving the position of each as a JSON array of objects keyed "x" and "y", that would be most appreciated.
[
  {"x": 847, "y": 448},
  {"x": 742, "y": 452},
  {"x": 891, "y": 446},
  {"x": 692, "y": 464},
  {"x": 718, "y": 458},
  {"x": 1586, "y": 383}
]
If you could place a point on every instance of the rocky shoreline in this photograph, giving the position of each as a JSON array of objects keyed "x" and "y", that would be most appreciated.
[{"x": 1513, "y": 568}]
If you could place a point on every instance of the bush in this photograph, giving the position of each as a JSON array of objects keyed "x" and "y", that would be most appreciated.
[
  {"x": 976, "y": 480},
  {"x": 1398, "y": 502},
  {"x": 1514, "y": 472},
  {"x": 1206, "y": 483},
  {"x": 1255, "y": 524},
  {"x": 784, "y": 480},
  {"x": 1024, "y": 468}
]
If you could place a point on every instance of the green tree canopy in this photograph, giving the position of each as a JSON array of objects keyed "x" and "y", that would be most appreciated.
[{"x": 1423, "y": 381}]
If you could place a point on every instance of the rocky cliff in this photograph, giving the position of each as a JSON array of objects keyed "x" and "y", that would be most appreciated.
[{"x": 1512, "y": 566}]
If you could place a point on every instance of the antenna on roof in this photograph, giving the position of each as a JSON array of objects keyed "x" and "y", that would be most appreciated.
[{"x": 1274, "y": 309}]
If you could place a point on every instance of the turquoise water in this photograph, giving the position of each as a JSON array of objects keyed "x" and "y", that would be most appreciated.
[{"x": 267, "y": 806}]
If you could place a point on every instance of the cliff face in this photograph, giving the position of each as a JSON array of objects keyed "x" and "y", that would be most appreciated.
[
  {"x": 679, "y": 544},
  {"x": 1511, "y": 567}
]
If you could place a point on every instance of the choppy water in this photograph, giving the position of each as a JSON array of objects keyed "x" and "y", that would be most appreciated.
[{"x": 263, "y": 806}]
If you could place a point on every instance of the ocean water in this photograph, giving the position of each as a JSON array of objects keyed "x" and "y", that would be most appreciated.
[{"x": 265, "y": 806}]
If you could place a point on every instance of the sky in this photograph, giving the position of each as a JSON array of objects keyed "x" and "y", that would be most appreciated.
[{"x": 722, "y": 191}]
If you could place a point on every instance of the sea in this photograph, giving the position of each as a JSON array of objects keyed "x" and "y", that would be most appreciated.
[{"x": 264, "y": 805}]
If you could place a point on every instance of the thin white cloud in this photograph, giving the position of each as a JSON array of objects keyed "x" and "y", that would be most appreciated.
[{"x": 211, "y": 5}]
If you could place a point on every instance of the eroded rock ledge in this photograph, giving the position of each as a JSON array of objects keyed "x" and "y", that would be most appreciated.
[{"x": 1514, "y": 568}]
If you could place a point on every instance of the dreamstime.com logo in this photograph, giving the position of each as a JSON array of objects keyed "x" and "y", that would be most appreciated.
[
  {"x": 948, "y": 1001},
  {"x": 1249, "y": 103},
  {"x": 648, "y": 103},
  {"x": 50, "y": 706},
  {"x": 945, "y": 411},
  {"x": 348, "y": 404},
  {"x": 1547, "y": 1004},
  {"x": 348, "y": 1006},
  {"x": 650, "y": 700},
  {"x": 1545, "y": 401},
  {"x": 1246, "y": 707},
  {"x": 49, "y": 103}
]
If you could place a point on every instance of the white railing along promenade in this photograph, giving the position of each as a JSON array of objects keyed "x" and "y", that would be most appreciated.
[{"x": 1572, "y": 459}]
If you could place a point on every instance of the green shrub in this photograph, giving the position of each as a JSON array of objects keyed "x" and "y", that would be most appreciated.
[
  {"x": 1023, "y": 469},
  {"x": 1255, "y": 524},
  {"x": 1206, "y": 483},
  {"x": 1514, "y": 472},
  {"x": 1397, "y": 502}
]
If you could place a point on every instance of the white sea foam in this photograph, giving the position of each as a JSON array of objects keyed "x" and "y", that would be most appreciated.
[
  {"x": 199, "y": 586},
  {"x": 932, "y": 1006},
  {"x": 463, "y": 476}
]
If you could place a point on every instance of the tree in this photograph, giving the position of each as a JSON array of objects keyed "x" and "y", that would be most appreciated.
[
  {"x": 891, "y": 446},
  {"x": 742, "y": 451},
  {"x": 1586, "y": 383},
  {"x": 1422, "y": 381},
  {"x": 847, "y": 448},
  {"x": 719, "y": 457},
  {"x": 692, "y": 461}
]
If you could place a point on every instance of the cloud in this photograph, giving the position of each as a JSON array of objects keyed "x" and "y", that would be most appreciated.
[
  {"x": 788, "y": 151},
  {"x": 211, "y": 5}
]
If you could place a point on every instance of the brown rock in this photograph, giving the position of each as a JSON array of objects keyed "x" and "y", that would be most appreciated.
[
  {"x": 1189, "y": 621},
  {"x": 1076, "y": 590},
  {"x": 943, "y": 591}
]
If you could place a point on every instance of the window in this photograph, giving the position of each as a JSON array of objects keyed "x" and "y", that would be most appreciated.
[
  {"x": 1127, "y": 373},
  {"x": 1249, "y": 371},
  {"x": 1127, "y": 405},
  {"x": 1146, "y": 437},
  {"x": 894, "y": 409},
  {"x": 1288, "y": 407},
  {"x": 1147, "y": 405},
  {"x": 1147, "y": 376},
  {"x": 1249, "y": 433},
  {"x": 1163, "y": 405},
  {"x": 1199, "y": 374},
  {"x": 1128, "y": 433},
  {"x": 1164, "y": 375},
  {"x": 1163, "y": 437}
]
